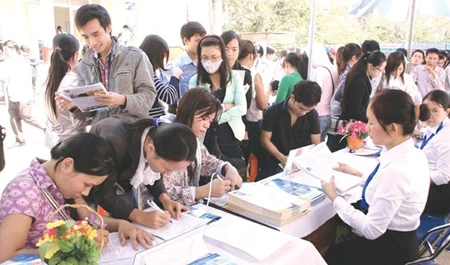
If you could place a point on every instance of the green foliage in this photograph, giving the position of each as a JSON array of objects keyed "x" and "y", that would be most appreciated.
[{"x": 333, "y": 24}]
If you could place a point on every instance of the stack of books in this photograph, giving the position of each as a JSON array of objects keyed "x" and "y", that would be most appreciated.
[{"x": 267, "y": 203}]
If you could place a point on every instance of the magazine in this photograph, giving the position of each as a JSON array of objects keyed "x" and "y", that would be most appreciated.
[{"x": 84, "y": 97}]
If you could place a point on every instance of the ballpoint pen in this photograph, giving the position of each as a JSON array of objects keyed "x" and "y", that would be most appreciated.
[
  {"x": 156, "y": 207},
  {"x": 236, "y": 187}
]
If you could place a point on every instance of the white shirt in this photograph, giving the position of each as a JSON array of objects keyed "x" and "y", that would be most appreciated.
[
  {"x": 407, "y": 85},
  {"x": 437, "y": 151},
  {"x": 397, "y": 194}
]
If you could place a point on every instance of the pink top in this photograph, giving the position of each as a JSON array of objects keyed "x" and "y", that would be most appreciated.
[
  {"x": 323, "y": 78},
  {"x": 23, "y": 196}
]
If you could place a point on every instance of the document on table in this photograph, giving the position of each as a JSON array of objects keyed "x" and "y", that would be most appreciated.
[
  {"x": 319, "y": 163},
  {"x": 256, "y": 241},
  {"x": 115, "y": 251}
]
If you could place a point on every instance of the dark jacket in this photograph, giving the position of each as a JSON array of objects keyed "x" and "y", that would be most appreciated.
[
  {"x": 126, "y": 144},
  {"x": 356, "y": 98}
]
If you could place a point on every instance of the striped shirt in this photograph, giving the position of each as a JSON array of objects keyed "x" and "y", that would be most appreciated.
[
  {"x": 167, "y": 93},
  {"x": 105, "y": 68}
]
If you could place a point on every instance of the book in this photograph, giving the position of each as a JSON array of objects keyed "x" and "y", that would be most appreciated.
[
  {"x": 212, "y": 259},
  {"x": 301, "y": 190},
  {"x": 319, "y": 162},
  {"x": 25, "y": 259},
  {"x": 268, "y": 203},
  {"x": 84, "y": 97}
]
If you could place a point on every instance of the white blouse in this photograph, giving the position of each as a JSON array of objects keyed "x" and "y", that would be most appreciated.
[
  {"x": 437, "y": 151},
  {"x": 396, "y": 195},
  {"x": 406, "y": 85}
]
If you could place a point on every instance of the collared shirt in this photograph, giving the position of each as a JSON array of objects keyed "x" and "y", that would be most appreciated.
[
  {"x": 397, "y": 194},
  {"x": 189, "y": 68},
  {"x": 406, "y": 84},
  {"x": 438, "y": 153},
  {"x": 23, "y": 196},
  {"x": 284, "y": 136},
  {"x": 105, "y": 68},
  {"x": 425, "y": 82}
]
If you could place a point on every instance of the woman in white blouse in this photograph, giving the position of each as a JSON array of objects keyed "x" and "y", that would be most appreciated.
[
  {"x": 396, "y": 78},
  {"x": 394, "y": 194},
  {"x": 436, "y": 146}
]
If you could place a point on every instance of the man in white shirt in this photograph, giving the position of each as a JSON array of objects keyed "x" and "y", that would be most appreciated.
[{"x": 430, "y": 76}]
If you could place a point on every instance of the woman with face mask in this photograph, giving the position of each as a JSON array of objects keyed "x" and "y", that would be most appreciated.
[
  {"x": 436, "y": 146},
  {"x": 215, "y": 75}
]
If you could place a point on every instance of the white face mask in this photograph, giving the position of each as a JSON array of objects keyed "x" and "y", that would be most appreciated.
[{"x": 212, "y": 67}]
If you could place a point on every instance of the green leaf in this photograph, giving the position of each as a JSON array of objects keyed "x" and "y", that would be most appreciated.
[
  {"x": 54, "y": 260},
  {"x": 44, "y": 248},
  {"x": 72, "y": 261},
  {"x": 64, "y": 228},
  {"x": 65, "y": 246}
]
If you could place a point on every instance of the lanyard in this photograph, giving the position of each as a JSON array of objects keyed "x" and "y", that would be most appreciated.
[
  {"x": 426, "y": 140},
  {"x": 364, "y": 204}
]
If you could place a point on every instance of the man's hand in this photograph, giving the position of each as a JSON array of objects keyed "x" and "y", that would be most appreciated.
[
  {"x": 174, "y": 208},
  {"x": 135, "y": 234},
  {"x": 111, "y": 99}
]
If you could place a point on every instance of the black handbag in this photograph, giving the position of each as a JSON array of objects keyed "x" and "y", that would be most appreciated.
[{"x": 2, "y": 152}]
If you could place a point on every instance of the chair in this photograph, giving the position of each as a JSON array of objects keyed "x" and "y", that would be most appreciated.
[{"x": 433, "y": 250}]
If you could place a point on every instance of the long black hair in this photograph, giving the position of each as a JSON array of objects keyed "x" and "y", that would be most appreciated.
[
  {"x": 393, "y": 62},
  {"x": 91, "y": 153},
  {"x": 64, "y": 48},
  {"x": 225, "y": 69},
  {"x": 155, "y": 48}
]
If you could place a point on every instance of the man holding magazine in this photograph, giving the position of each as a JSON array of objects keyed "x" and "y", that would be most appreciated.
[
  {"x": 290, "y": 124},
  {"x": 124, "y": 71}
]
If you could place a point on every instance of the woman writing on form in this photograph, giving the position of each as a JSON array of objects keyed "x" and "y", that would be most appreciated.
[{"x": 394, "y": 194}]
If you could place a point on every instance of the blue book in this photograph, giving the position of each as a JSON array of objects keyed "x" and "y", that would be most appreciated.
[
  {"x": 297, "y": 189},
  {"x": 212, "y": 259},
  {"x": 25, "y": 259}
]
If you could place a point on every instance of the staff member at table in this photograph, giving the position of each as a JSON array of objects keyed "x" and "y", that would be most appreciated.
[
  {"x": 436, "y": 146},
  {"x": 288, "y": 125},
  {"x": 394, "y": 194}
]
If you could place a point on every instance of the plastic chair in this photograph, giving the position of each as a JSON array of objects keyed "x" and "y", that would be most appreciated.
[{"x": 433, "y": 251}]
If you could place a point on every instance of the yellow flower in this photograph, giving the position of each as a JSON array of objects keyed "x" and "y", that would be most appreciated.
[
  {"x": 51, "y": 251},
  {"x": 55, "y": 224},
  {"x": 92, "y": 234}
]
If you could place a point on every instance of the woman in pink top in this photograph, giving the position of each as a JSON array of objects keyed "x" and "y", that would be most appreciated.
[
  {"x": 325, "y": 74},
  {"x": 76, "y": 165}
]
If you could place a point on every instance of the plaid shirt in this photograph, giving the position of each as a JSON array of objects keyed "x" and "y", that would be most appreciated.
[{"x": 105, "y": 69}]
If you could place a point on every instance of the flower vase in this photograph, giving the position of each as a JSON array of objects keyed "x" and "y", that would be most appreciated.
[{"x": 354, "y": 143}]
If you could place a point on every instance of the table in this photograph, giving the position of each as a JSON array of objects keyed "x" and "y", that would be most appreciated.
[
  {"x": 292, "y": 252},
  {"x": 318, "y": 225}
]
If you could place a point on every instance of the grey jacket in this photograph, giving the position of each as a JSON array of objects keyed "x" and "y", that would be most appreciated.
[{"x": 131, "y": 75}]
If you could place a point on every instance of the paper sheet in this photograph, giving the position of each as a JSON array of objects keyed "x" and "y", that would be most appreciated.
[{"x": 256, "y": 241}]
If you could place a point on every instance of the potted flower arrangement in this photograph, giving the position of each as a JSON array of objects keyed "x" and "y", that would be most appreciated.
[
  {"x": 70, "y": 242},
  {"x": 355, "y": 132}
]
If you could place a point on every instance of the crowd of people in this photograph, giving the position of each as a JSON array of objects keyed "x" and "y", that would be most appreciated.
[{"x": 167, "y": 129}]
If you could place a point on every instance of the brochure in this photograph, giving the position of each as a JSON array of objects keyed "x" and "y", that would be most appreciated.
[{"x": 84, "y": 97}]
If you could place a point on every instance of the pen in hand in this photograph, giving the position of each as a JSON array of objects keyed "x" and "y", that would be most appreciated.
[
  {"x": 236, "y": 187},
  {"x": 156, "y": 207}
]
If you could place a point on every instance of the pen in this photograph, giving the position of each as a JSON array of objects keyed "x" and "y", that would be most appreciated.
[
  {"x": 156, "y": 207},
  {"x": 236, "y": 187}
]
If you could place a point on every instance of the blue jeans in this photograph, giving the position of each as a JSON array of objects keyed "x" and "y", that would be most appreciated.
[{"x": 325, "y": 124}]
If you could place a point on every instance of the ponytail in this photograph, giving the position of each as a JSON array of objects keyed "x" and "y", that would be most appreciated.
[{"x": 65, "y": 47}]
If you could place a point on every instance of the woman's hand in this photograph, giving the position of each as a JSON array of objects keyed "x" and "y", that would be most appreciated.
[
  {"x": 348, "y": 169},
  {"x": 134, "y": 234},
  {"x": 232, "y": 175},
  {"x": 102, "y": 235},
  {"x": 219, "y": 187},
  {"x": 63, "y": 103},
  {"x": 174, "y": 208},
  {"x": 330, "y": 189},
  {"x": 177, "y": 72}
]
